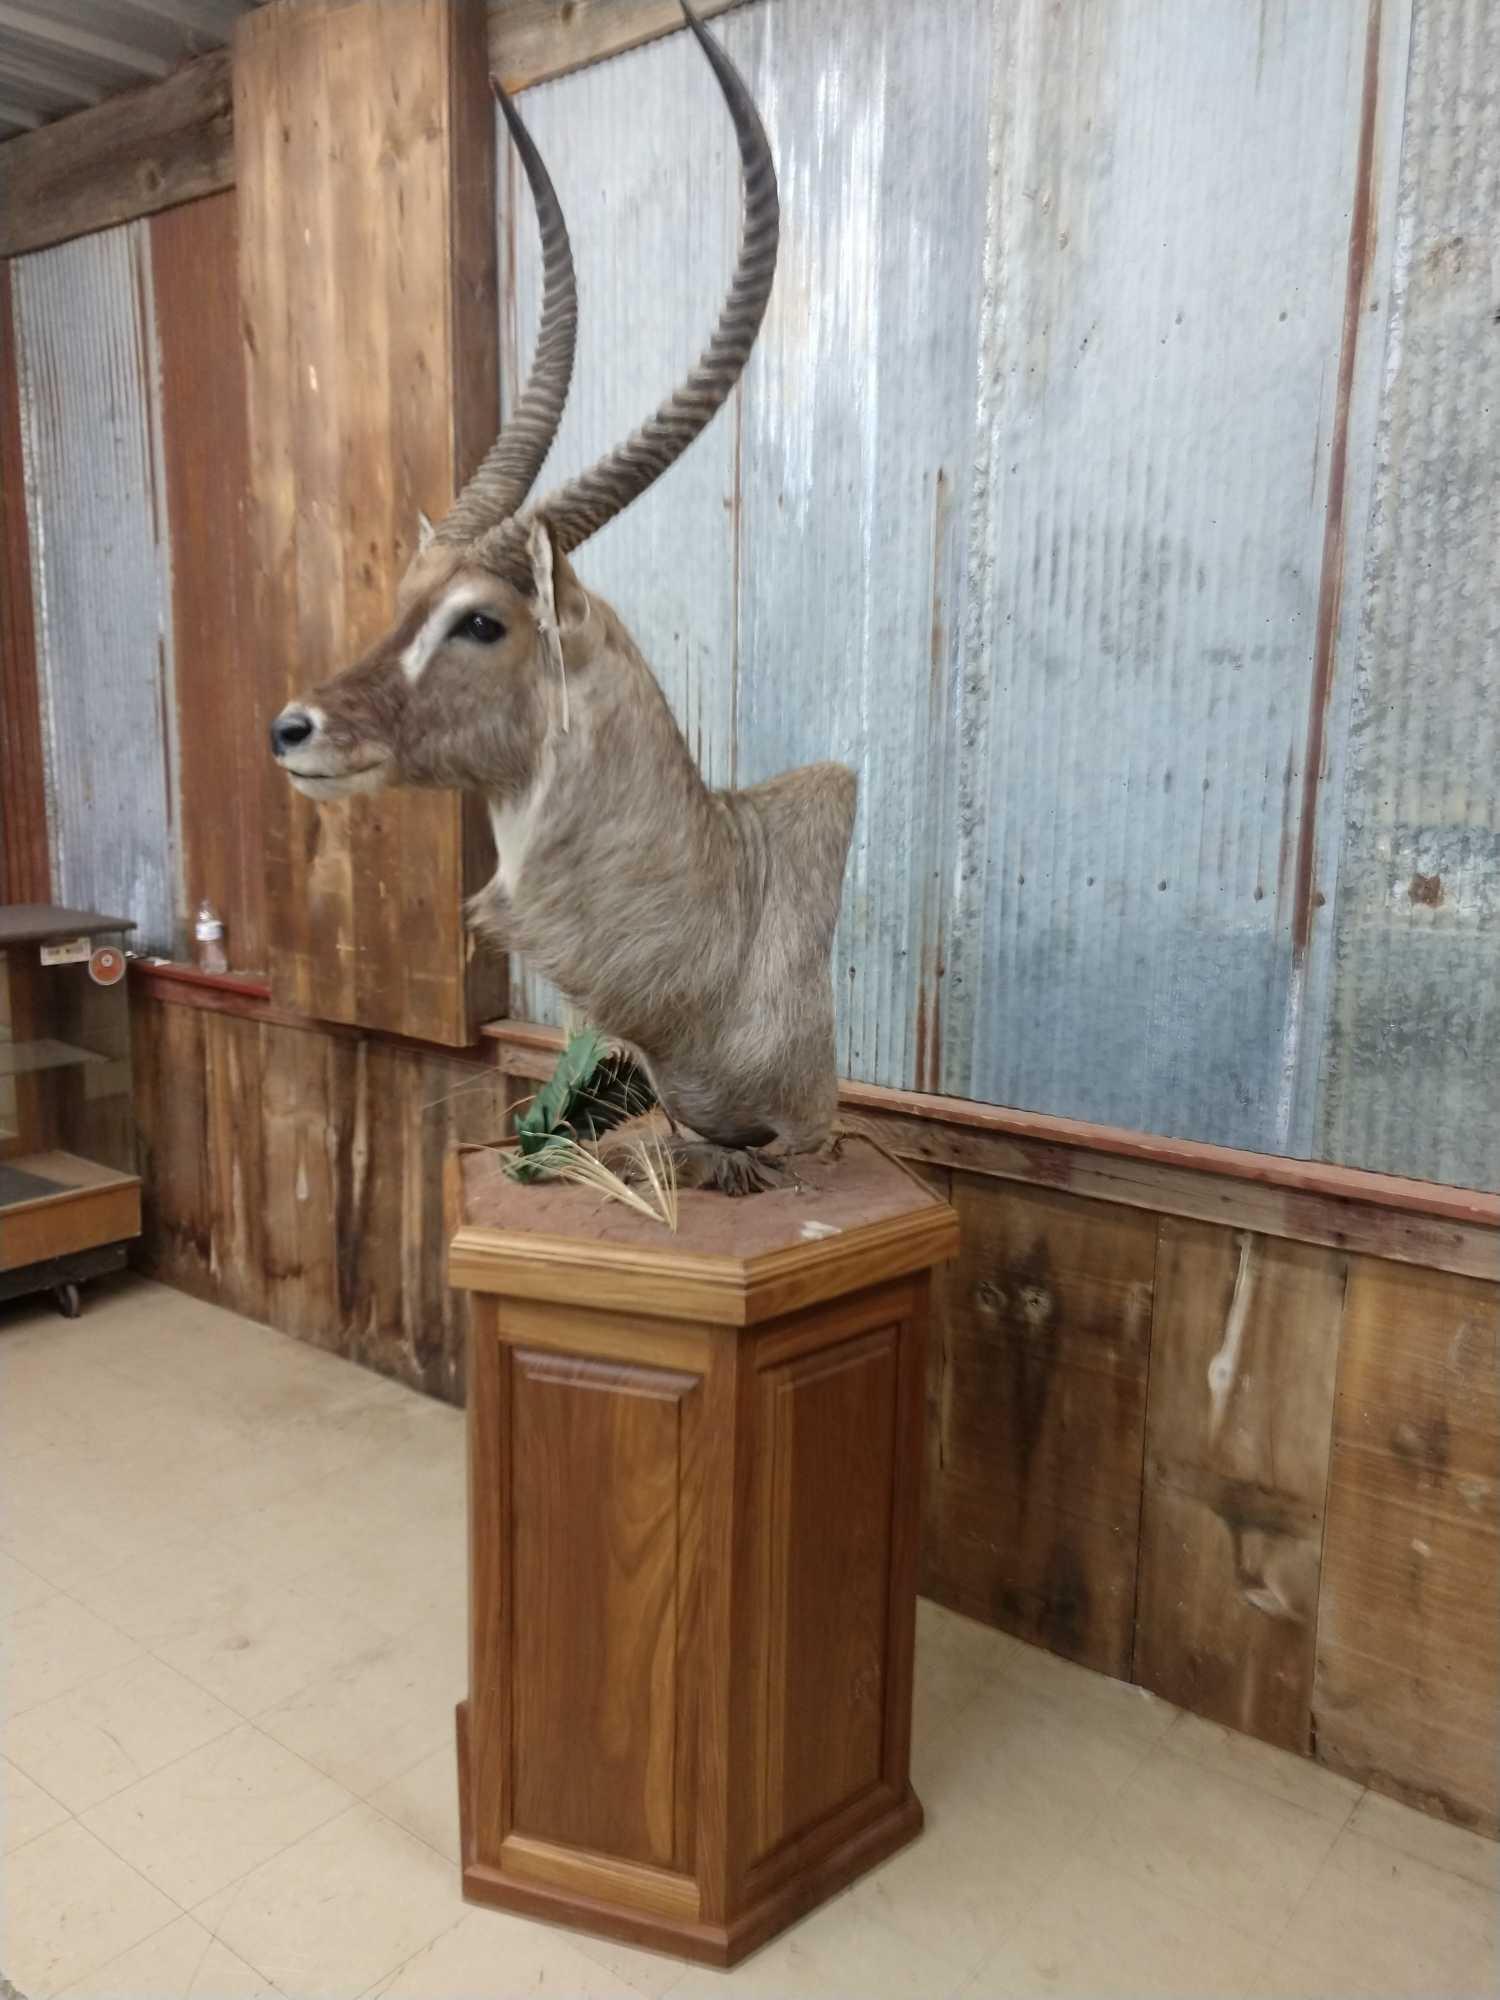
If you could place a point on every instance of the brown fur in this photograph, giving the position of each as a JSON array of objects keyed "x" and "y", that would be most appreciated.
[{"x": 693, "y": 926}]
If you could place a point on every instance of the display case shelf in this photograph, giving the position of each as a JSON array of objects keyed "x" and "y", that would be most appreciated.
[{"x": 30, "y": 1058}]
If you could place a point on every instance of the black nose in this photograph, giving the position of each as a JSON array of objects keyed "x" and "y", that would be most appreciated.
[{"x": 291, "y": 727}]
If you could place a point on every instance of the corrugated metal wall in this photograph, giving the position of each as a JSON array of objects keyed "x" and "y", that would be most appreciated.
[
  {"x": 1412, "y": 1051},
  {"x": 90, "y": 415},
  {"x": 1113, "y": 484}
]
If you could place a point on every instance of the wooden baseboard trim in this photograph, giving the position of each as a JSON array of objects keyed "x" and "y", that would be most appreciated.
[{"x": 704, "y": 1943}]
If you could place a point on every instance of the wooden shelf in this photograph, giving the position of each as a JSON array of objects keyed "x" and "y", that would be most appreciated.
[
  {"x": 28, "y": 1058},
  {"x": 63, "y": 1203}
]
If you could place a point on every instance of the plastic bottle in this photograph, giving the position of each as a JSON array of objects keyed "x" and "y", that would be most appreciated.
[{"x": 208, "y": 932}]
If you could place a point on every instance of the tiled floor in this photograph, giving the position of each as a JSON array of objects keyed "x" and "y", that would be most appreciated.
[{"x": 231, "y": 1621}]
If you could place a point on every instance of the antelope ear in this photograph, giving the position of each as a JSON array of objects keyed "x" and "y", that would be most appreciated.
[
  {"x": 425, "y": 531},
  {"x": 557, "y": 588}
]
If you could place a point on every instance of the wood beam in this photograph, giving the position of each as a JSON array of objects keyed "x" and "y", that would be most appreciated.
[
  {"x": 532, "y": 41},
  {"x": 145, "y": 150},
  {"x": 170, "y": 142}
]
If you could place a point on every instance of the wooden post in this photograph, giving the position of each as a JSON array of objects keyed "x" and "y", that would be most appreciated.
[
  {"x": 365, "y": 162},
  {"x": 694, "y": 1466}
]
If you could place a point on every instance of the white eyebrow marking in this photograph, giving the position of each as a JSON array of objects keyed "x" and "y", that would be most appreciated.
[{"x": 435, "y": 628}]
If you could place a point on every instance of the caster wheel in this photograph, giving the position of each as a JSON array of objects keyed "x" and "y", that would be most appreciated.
[{"x": 67, "y": 1300}]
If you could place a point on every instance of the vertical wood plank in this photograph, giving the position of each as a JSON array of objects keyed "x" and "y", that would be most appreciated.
[
  {"x": 25, "y": 869},
  {"x": 221, "y": 708},
  {"x": 1239, "y": 1426},
  {"x": 177, "y": 1210},
  {"x": 1033, "y": 1501},
  {"x": 296, "y": 1174},
  {"x": 365, "y": 289},
  {"x": 1407, "y": 1695}
]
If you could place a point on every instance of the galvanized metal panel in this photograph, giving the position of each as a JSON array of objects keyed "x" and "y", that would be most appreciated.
[
  {"x": 859, "y": 442},
  {"x": 1163, "y": 306},
  {"x": 68, "y": 54},
  {"x": 85, "y": 336},
  {"x": 1412, "y": 1063},
  {"x": 1078, "y": 496},
  {"x": 644, "y": 162}
]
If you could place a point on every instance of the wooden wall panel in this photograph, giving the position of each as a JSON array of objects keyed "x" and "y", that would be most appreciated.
[
  {"x": 25, "y": 872},
  {"x": 367, "y": 283},
  {"x": 296, "y": 1174},
  {"x": 1033, "y": 1502},
  {"x": 1239, "y": 1423},
  {"x": 1407, "y": 1696},
  {"x": 221, "y": 705}
]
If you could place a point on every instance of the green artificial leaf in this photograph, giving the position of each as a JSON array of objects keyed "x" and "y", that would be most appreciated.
[{"x": 587, "y": 1095}]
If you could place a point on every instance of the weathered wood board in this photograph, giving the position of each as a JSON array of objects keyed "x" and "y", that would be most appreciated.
[
  {"x": 1038, "y": 1376},
  {"x": 367, "y": 268},
  {"x": 1244, "y": 1345},
  {"x": 133, "y": 155},
  {"x": 297, "y": 1175},
  {"x": 223, "y": 768},
  {"x": 1407, "y": 1696},
  {"x": 532, "y": 40}
]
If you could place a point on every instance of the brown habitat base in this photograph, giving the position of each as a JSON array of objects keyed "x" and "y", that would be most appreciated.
[{"x": 694, "y": 1513}]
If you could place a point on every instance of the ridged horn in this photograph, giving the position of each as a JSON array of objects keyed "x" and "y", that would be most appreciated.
[
  {"x": 511, "y": 464},
  {"x": 582, "y": 507}
]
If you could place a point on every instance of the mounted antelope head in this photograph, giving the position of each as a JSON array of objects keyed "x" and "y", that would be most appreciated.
[{"x": 693, "y": 926}]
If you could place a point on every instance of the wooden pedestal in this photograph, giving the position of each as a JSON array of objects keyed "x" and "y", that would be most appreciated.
[{"x": 693, "y": 1487}]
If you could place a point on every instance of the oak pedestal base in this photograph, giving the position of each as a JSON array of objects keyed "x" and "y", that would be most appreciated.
[{"x": 693, "y": 1492}]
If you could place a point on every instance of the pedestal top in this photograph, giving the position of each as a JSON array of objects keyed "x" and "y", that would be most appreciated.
[{"x": 856, "y": 1218}]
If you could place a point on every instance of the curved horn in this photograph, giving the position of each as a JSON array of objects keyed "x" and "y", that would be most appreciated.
[
  {"x": 513, "y": 461},
  {"x": 582, "y": 507}
]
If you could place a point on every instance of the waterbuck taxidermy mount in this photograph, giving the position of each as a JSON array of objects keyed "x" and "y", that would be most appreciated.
[{"x": 693, "y": 927}]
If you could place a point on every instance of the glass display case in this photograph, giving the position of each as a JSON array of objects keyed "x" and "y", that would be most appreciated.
[{"x": 70, "y": 1197}]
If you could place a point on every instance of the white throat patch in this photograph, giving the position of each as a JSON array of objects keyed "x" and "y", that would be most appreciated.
[
  {"x": 435, "y": 628},
  {"x": 513, "y": 825}
]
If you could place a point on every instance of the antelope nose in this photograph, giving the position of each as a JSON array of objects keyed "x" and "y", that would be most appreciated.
[{"x": 291, "y": 727}]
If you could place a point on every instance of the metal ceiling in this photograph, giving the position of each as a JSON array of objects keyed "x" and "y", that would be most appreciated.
[{"x": 58, "y": 56}]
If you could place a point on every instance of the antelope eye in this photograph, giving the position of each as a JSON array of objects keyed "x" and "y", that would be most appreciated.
[{"x": 479, "y": 627}]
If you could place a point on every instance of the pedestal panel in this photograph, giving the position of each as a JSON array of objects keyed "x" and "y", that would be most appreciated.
[{"x": 693, "y": 1531}]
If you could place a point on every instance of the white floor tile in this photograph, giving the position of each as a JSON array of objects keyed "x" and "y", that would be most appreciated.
[
  {"x": 180, "y": 1962},
  {"x": 1394, "y": 1925},
  {"x": 335, "y": 1914},
  {"x": 53, "y": 1646},
  {"x": 1104, "y": 1935},
  {"x": 214, "y": 1815},
  {"x": 111, "y": 1732},
  {"x": 26, "y": 1810},
  {"x": 373, "y": 1719},
  {"x": 70, "y": 1906},
  {"x": 425, "y": 1801},
  {"x": 1227, "y": 1846}
]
